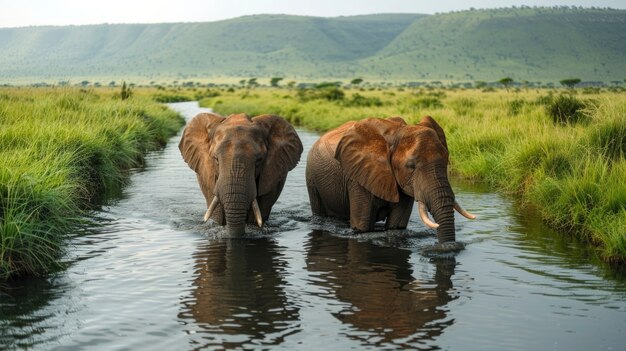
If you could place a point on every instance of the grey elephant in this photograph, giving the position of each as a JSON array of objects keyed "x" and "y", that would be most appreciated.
[
  {"x": 374, "y": 169},
  {"x": 241, "y": 164}
]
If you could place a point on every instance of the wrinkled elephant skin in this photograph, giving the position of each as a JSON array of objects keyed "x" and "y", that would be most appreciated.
[
  {"x": 374, "y": 169},
  {"x": 241, "y": 164}
]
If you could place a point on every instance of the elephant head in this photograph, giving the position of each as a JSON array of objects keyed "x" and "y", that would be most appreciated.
[
  {"x": 392, "y": 159},
  {"x": 241, "y": 164}
]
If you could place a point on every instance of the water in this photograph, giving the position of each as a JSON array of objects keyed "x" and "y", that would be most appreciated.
[{"x": 148, "y": 274}]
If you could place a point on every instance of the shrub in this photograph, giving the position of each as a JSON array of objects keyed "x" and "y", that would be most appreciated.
[
  {"x": 329, "y": 93},
  {"x": 359, "y": 100},
  {"x": 516, "y": 106},
  {"x": 566, "y": 109},
  {"x": 166, "y": 98},
  {"x": 428, "y": 102}
]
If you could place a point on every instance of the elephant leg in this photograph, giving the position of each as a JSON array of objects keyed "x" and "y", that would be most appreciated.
[
  {"x": 400, "y": 213},
  {"x": 362, "y": 211},
  {"x": 316, "y": 201}
]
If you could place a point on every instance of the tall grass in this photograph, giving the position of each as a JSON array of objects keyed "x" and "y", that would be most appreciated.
[
  {"x": 59, "y": 149},
  {"x": 571, "y": 169}
]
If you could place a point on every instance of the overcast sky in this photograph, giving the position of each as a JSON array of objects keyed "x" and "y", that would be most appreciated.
[{"x": 16, "y": 13}]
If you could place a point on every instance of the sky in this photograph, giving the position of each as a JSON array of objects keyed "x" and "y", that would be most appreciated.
[{"x": 14, "y": 13}]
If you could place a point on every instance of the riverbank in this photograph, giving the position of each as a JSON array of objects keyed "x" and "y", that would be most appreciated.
[
  {"x": 59, "y": 150},
  {"x": 561, "y": 152}
]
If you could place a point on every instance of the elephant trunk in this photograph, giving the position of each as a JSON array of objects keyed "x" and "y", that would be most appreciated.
[
  {"x": 237, "y": 194},
  {"x": 236, "y": 204},
  {"x": 440, "y": 202},
  {"x": 444, "y": 216}
]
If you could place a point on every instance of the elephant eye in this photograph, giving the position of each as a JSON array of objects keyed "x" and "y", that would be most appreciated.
[{"x": 411, "y": 164}]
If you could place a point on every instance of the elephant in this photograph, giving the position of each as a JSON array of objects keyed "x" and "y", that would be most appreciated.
[
  {"x": 373, "y": 170},
  {"x": 241, "y": 164}
]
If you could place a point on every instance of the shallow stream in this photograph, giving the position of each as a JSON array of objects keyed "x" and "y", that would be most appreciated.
[{"x": 147, "y": 274}]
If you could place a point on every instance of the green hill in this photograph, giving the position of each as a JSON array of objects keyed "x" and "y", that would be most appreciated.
[
  {"x": 542, "y": 44},
  {"x": 526, "y": 44}
]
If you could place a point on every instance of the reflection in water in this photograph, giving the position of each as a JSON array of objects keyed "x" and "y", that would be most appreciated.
[
  {"x": 238, "y": 298},
  {"x": 386, "y": 303}
]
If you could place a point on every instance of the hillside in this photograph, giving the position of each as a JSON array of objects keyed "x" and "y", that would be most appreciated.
[
  {"x": 527, "y": 44},
  {"x": 543, "y": 44}
]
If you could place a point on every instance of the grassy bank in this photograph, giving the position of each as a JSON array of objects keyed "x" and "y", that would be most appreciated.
[
  {"x": 569, "y": 165},
  {"x": 60, "y": 148}
]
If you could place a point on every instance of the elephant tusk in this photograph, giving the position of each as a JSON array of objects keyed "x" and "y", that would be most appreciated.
[
  {"x": 211, "y": 208},
  {"x": 424, "y": 216},
  {"x": 460, "y": 210},
  {"x": 257, "y": 213}
]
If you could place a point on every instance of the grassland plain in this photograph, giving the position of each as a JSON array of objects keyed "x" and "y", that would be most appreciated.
[
  {"x": 572, "y": 173},
  {"x": 60, "y": 149}
]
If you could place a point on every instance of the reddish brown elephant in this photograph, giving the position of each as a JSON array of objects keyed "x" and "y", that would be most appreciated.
[{"x": 374, "y": 169}]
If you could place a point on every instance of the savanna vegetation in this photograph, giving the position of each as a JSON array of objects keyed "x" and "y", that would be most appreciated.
[
  {"x": 562, "y": 152},
  {"x": 60, "y": 150}
]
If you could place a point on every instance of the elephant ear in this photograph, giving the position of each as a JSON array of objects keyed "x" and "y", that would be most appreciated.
[
  {"x": 283, "y": 151},
  {"x": 194, "y": 146},
  {"x": 430, "y": 122},
  {"x": 363, "y": 154}
]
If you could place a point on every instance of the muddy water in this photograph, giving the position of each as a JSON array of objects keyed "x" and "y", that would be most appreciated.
[{"x": 148, "y": 274}]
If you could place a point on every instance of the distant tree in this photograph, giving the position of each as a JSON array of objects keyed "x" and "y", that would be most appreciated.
[
  {"x": 356, "y": 81},
  {"x": 112, "y": 83},
  {"x": 252, "y": 82},
  {"x": 84, "y": 83},
  {"x": 291, "y": 84},
  {"x": 570, "y": 82},
  {"x": 274, "y": 81},
  {"x": 242, "y": 82},
  {"x": 506, "y": 81}
]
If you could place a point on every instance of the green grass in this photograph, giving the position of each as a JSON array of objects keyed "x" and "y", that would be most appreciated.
[
  {"x": 59, "y": 150},
  {"x": 572, "y": 173}
]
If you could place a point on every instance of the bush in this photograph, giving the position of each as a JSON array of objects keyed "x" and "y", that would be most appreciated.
[
  {"x": 566, "y": 109},
  {"x": 428, "y": 102},
  {"x": 516, "y": 106},
  {"x": 359, "y": 100},
  {"x": 329, "y": 93},
  {"x": 164, "y": 98}
]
